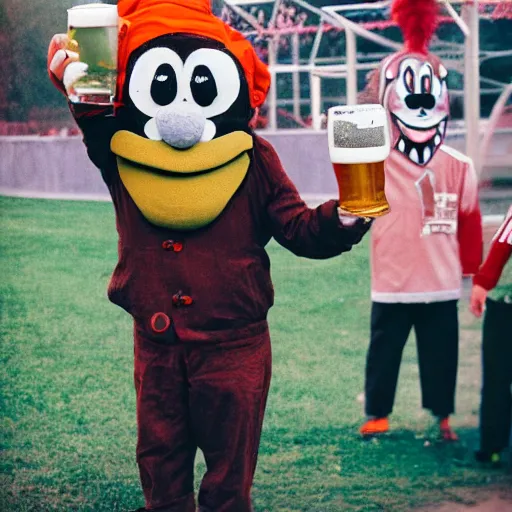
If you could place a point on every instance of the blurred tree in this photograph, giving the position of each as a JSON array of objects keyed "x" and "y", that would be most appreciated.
[
  {"x": 30, "y": 26},
  {"x": 5, "y": 63}
]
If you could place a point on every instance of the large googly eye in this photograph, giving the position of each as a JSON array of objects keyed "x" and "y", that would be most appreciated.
[
  {"x": 155, "y": 80},
  {"x": 409, "y": 80},
  {"x": 214, "y": 81},
  {"x": 203, "y": 86},
  {"x": 165, "y": 85}
]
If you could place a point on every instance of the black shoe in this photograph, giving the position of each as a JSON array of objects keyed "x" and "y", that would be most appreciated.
[{"x": 492, "y": 458}]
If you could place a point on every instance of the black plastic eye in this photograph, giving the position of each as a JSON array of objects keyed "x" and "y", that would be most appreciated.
[
  {"x": 164, "y": 86},
  {"x": 203, "y": 86}
]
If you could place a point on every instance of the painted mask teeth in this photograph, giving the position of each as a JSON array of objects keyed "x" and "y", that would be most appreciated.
[
  {"x": 414, "y": 155},
  {"x": 421, "y": 154},
  {"x": 427, "y": 154}
]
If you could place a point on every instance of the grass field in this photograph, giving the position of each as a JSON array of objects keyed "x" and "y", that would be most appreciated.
[{"x": 67, "y": 398}]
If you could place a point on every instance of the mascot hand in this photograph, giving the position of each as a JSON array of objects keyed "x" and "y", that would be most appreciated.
[{"x": 63, "y": 65}]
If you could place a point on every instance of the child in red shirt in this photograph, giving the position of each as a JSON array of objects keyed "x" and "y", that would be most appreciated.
[{"x": 496, "y": 406}]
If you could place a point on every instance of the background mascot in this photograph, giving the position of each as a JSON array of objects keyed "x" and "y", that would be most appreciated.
[{"x": 433, "y": 234}]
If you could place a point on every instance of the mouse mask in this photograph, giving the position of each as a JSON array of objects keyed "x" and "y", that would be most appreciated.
[
  {"x": 411, "y": 84},
  {"x": 187, "y": 88}
]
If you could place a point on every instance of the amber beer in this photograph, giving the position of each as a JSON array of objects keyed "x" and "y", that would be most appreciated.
[
  {"x": 358, "y": 145},
  {"x": 92, "y": 32}
]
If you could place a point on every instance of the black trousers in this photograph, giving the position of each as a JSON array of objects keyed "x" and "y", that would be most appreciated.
[
  {"x": 437, "y": 333},
  {"x": 496, "y": 406}
]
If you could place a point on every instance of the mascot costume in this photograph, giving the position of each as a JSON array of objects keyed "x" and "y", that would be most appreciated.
[
  {"x": 431, "y": 237},
  {"x": 197, "y": 197}
]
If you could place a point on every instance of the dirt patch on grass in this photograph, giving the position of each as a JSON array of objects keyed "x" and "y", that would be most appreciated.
[{"x": 491, "y": 499}]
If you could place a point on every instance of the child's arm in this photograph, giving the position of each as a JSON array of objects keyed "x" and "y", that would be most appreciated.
[{"x": 489, "y": 274}]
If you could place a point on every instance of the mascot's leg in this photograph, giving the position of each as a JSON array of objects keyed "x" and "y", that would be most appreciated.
[
  {"x": 229, "y": 384},
  {"x": 437, "y": 334},
  {"x": 496, "y": 406},
  {"x": 165, "y": 447},
  {"x": 390, "y": 328}
]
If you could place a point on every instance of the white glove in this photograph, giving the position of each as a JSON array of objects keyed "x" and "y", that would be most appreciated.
[
  {"x": 73, "y": 72},
  {"x": 66, "y": 67}
]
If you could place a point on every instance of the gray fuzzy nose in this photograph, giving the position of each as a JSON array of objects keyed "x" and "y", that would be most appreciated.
[{"x": 181, "y": 126}]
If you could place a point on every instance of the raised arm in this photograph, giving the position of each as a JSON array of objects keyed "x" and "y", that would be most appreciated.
[{"x": 97, "y": 124}]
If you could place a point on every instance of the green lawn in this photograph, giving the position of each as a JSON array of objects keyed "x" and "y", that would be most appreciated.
[{"x": 67, "y": 399}]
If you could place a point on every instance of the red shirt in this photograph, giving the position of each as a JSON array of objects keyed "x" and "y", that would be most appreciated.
[
  {"x": 213, "y": 283},
  {"x": 499, "y": 253}
]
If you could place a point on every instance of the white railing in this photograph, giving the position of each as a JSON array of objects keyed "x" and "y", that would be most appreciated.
[{"x": 468, "y": 56}]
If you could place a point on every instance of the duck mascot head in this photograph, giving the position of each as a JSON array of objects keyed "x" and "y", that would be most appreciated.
[
  {"x": 188, "y": 86},
  {"x": 411, "y": 84}
]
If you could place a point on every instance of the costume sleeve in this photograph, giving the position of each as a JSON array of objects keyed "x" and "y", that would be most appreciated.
[
  {"x": 499, "y": 253},
  {"x": 98, "y": 126},
  {"x": 470, "y": 224},
  {"x": 313, "y": 233}
]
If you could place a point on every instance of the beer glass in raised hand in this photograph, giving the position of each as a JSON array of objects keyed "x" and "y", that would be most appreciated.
[{"x": 92, "y": 33}]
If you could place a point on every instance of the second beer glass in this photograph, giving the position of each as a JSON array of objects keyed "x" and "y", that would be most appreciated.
[{"x": 358, "y": 145}]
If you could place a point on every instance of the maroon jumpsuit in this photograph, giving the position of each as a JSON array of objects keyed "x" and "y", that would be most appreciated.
[{"x": 199, "y": 300}]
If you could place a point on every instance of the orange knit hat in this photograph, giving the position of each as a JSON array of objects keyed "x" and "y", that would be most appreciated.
[{"x": 143, "y": 20}]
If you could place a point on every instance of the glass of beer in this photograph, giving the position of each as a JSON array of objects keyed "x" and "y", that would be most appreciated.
[
  {"x": 92, "y": 32},
  {"x": 359, "y": 142}
]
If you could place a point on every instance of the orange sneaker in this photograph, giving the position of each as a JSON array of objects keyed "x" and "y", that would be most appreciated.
[
  {"x": 374, "y": 427},
  {"x": 445, "y": 431}
]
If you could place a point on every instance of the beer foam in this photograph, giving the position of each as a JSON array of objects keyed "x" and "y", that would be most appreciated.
[
  {"x": 358, "y": 134},
  {"x": 92, "y": 15}
]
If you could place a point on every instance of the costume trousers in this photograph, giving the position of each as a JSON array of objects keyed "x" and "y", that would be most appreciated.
[
  {"x": 437, "y": 337},
  {"x": 496, "y": 405},
  {"x": 206, "y": 396}
]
